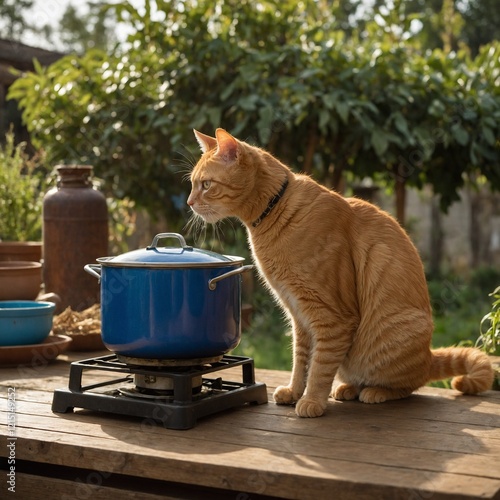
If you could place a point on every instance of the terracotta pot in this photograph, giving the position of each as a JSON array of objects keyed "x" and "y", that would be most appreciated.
[
  {"x": 75, "y": 223},
  {"x": 20, "y": 280},
  {"x": 30, "y": 251}
]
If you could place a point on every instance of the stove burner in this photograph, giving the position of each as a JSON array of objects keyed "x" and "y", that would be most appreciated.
[
  {"x": 157, "y": 395},
  {"x": 167, "y": 362},
  {"x": 135, "y": 392},
  {"x": 159, "y": 385},
  {"x": 175, "y": 397}
]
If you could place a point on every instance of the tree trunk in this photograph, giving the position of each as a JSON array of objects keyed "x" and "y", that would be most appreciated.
[
  {"x": 481, "y": 212},
  {"x": 400, "y": 189},
  {"x": 338, "y": 178},
  {"x": 437, "y": 237},
  {"x": 310, "y": 150}
]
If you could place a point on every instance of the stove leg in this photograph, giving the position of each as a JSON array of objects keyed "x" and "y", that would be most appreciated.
[
  {"x": 248, "y": 373},
  {"x": 183, "y": 389},
  {"x": 75, "y": 377},
  {"x": 59, "y": 405}
]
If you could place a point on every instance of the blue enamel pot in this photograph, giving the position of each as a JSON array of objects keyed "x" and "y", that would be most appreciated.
[{"x": 174, "y": 302}]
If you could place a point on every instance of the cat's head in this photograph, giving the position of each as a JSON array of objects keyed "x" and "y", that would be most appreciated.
[{"x": 222, "y": 178}]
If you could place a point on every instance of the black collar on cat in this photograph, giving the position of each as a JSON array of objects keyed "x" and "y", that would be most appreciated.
[{"x": 272, "y": 203}]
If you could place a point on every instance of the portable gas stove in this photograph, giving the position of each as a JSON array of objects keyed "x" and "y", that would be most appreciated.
[{"x": 173, "y": 393}]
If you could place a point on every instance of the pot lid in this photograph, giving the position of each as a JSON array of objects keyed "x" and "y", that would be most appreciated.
[{"x": 181, "y": 255}]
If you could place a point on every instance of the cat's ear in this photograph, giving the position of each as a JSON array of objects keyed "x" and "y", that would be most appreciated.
[
  {"x": 206, "y": 142},
  {"x": 227, "y": 146}
]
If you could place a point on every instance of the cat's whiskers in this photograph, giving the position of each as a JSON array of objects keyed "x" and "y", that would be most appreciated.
[
  {"x": 186, "y": 164},
  {"x": 188, "y": 160},
  {"x": 218, "y": 232},
  {"x": 198, "y": 227},
  {"x": 186, "y": 175},
  {"x": 194, "y": 225}
]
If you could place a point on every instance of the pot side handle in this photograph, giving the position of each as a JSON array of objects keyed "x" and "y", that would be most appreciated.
[
  {"x": 212, "y": 284},
  {"x": 94, "y": 270}
]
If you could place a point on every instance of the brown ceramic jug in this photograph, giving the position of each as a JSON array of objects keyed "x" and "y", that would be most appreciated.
[{"x": 75, "y": 232}]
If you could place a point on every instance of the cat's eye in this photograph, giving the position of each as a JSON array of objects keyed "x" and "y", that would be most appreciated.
[{"x": 205, "y": 184}]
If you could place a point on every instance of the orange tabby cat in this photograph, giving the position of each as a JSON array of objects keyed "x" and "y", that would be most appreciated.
[{"x": 347, "y": 274}]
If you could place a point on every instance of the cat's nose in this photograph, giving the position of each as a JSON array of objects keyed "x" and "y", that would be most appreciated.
[{"x": 190, "y": 200}]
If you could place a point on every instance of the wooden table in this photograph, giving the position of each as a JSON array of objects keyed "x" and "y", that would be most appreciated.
[{"x": 435, "y": 444}]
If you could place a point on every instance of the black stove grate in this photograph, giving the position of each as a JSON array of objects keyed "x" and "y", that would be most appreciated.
[{"x": 181, "y": 410}]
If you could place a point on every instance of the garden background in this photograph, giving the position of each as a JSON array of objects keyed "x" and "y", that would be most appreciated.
[{"x": 394, "y": 94}]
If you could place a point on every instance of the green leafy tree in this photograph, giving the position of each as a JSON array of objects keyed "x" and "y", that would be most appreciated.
[
  {"x": 448, "y": 24},
  {"x": 75, "y": 31},
  {"x": 12, "y": 21},
  {"x": 280, "y": 75},
  {"x": 81, "y": 32},
  {"x": 481, "y": 23}
]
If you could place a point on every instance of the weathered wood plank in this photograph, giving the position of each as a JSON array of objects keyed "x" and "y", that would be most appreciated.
[
  {"x": 239, "y": 468},
  {"x": 44, "y": 482},
  {"x": 271, "y": 438},
  {"x": 355, "y": 421},
  {"x": 404, "y": 418},
  {"x": 434, "y": 443},
  {"x": 43, "y": 488}
]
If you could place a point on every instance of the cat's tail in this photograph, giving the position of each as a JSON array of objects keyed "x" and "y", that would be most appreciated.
[{"x": 471, "y": 368}]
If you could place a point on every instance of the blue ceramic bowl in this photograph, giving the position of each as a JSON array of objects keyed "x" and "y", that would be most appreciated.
[{"x": 25, "y": 322}]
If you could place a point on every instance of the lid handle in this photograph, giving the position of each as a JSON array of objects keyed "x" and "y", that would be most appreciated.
[{"x": 161, "y": 236}]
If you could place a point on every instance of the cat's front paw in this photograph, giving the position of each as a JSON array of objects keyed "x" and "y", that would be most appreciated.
[
  {"x": 310, "y": 408},
  {"x": 283, "y": 395}
]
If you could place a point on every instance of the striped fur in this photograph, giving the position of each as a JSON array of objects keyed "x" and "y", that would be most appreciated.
[
  {"x": 470, "y": 368},
  {"x": 345, "y": 272}
]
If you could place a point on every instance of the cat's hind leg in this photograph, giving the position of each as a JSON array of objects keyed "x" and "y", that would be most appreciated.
[
  {"x": 346, "y": 392},
  {"x": 399, "y": 357},
  {"x": 380, "y": 394}
]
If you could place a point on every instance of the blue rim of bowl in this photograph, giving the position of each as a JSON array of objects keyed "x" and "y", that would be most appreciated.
[{"x": 25, "y": 307}]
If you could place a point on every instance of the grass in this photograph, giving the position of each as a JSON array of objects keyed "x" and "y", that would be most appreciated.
[{"x": 459, "y": 303}]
